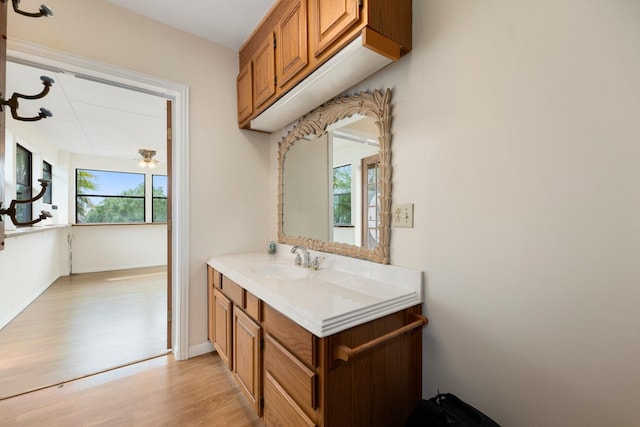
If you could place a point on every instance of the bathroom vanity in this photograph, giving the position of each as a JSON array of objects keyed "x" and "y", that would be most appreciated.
[{"x": 337, "y": 346}]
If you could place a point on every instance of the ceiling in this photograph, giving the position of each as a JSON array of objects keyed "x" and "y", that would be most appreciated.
[
  {"x": 227, "y": 22},
  {"x": 102, "y": 120},
  {"x": 90, "y": 117}
]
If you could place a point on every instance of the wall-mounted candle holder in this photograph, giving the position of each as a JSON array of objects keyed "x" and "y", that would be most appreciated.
[
  {"x": 44, "y": 10},
  {"x": 13, "y": 103},
  {"x": 13, "y": 212}
]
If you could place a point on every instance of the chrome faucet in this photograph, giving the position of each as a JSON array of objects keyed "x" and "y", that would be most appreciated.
[{"x": 306, "y": 263}]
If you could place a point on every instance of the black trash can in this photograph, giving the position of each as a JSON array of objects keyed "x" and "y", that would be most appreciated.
[{"x": 447, "y": 410}]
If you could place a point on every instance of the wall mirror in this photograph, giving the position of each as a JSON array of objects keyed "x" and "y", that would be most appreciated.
[{"x": 334, "y": 178}]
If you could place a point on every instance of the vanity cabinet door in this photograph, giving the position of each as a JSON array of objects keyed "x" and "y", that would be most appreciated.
[
  {"x": 264, "y": 72},
  {"x": 330, "y": 19},
  {"x": 291, "y": 42},
  {"x": 222, "y": 307},
  {"x": 246, "y": 356}
]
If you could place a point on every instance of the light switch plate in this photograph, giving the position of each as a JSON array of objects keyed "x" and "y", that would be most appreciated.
[{"x": 402, "y": 215}]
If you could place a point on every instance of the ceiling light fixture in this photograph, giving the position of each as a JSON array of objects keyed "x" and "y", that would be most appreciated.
[{"x": 147, "y": 160}]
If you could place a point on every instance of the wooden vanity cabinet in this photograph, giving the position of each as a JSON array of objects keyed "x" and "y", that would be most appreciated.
[
  {"x": 234, "y": 318},
  {"x": 298, "y": 36},
  {"x": 247, "y": 357},
  {"x": 223, "y": 329},
  {"x": 291, "y": 379},
  {"x": 307, "y": 380},
  {"x": 367, "y": 375},
  {"x": 210, "y": 287}
]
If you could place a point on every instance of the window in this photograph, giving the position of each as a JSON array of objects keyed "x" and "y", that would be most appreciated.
[
  {"x": 109, "y": 197},
  {"x": 23, "y": 183},
  {"x": 342, "y": 195},
  {"x": 47, "y": 173},
  {"x": 159, "y": 184}
]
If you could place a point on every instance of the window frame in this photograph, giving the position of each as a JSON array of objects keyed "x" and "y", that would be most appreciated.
[
  {"x": 48, "y": 194},
  {"x": 154, "y": 197},
  {"x": 24, "y": 211},
  {"x": 110, "y": 196},
  {"x": 371, "y": 225},
  {"x": 340, "y": 194}
]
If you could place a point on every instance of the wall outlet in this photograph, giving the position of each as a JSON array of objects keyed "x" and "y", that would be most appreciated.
[{"x": 402, "y": 215}]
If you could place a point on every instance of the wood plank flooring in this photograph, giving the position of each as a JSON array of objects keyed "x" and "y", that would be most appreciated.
[
  {"x": 83, "y": 324},
  {"x": 157, "y": 392}
]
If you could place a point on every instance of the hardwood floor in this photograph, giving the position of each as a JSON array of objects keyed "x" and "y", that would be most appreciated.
[
  {"x": 157, "y": 392},
  {"x": 83, "y": 324}
]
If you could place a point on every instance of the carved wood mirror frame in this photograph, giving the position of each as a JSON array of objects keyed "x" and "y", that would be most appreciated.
[{"x": 376, "y": 105}]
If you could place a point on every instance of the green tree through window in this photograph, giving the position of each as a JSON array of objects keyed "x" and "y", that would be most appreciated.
[
  {"x": 342, "y": 195},
  {"x": 128, "y": 207},
  {"x": 109, "y": 197},
  {"x": 159, "y": 198},
  {"x": 84, "y": 185}
]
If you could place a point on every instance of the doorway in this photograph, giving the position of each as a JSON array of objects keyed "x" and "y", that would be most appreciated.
[{"x": 178, "y": 94}]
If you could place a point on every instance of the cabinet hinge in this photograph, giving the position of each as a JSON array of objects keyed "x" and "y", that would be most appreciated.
[
  {"x": 261, "y": 402},
  {"x": 169, "y": 316},
  {"x": 275, "y": 42},
  {"x": 275, "y": 80},
  {"x": 360, "y": 3}
]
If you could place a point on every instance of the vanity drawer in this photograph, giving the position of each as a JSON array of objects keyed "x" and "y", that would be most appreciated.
[
  {"x": 293, "y": 376},
  {"x": 292, "y": 336},
  {"x": 233, "y": 291},
  {"x": 280, "y": 409},
  {"x": 252, "y": 306}
]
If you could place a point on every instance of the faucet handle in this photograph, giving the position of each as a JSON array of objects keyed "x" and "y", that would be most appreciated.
[
  {"x": 298, "y": 260},
  {"x": 315, "y": 264}
]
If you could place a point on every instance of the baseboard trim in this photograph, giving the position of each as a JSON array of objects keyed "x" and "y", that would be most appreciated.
[
  {"x": 200, "y": 349},
  {"x": 4, "y": 322}
]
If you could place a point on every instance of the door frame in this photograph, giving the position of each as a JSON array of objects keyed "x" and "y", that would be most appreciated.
[{"x": 178, "y": 93}]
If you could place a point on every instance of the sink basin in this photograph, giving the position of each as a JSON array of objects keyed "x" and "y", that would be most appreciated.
[{"x": 280, "y": 271}]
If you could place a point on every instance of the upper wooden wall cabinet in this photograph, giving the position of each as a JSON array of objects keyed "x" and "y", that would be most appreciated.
[{"x": 315, "y": 42}]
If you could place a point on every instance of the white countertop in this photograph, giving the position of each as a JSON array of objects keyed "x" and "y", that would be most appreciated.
[{"x": 345, "y": 292}]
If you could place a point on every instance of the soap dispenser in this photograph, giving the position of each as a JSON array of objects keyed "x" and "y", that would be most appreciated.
[{"x": 272, "y": 247}]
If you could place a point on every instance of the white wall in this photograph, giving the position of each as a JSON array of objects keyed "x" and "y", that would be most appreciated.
[
  {"x": 228, "y": 168},
  {"x": 33, "y": 140},
  {"x": 116, "y": 247},
  {"x": 28, "y": 265},
  {"x": 516, "y": 134}
]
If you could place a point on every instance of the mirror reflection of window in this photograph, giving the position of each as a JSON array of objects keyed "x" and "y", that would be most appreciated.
[
  {"x": 342, "y": 195},
  {"x": 353, "y": 139},
  {"x": 371, "y": 208}
]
